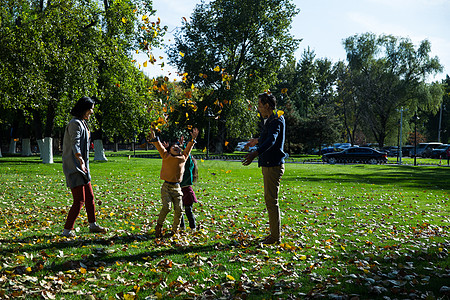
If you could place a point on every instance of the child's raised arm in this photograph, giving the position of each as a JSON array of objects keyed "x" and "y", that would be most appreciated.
[
  {"x": 191, "y": 143},
  {"x": 152, "y": 138}
]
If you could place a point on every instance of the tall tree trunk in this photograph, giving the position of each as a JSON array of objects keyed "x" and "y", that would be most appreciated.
[
  {"x": 38, "y": 132},
  {"x": 26, "y": 147},
  {"x": 99, "y": 151},
  {"x": 12, "y": 146},
  {"x": 47, "y": 154}
]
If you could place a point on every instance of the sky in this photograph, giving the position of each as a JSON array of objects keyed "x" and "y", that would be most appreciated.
[{"x": 324, "y": 24}]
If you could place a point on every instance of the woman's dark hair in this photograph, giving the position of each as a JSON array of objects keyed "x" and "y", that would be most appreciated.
[
  {"x": 268, "y": 99},
  {"x": 82, "y": 105}
]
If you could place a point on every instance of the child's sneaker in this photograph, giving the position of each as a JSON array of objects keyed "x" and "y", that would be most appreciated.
[{"x": 97, "y": 229}]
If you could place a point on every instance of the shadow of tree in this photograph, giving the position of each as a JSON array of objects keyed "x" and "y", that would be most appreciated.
[{"x": 428, "y": 178}]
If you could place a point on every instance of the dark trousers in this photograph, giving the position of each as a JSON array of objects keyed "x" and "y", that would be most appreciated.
[
  {"x": 190, "y": 216},
  {"x": 82, "y": 195}
]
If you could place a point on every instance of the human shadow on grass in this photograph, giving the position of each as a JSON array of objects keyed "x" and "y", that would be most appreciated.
[
  {"x": 28, "y": 244},
  {"x": 407, "y": 176},
  {"x": 383, "y": 274}
]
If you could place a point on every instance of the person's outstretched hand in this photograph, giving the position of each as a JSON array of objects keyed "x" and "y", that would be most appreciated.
[
  {"x": 251, "y": 143},
  {"x": 151, "y": 135},
  {"x": 249, "y": 157},
  {"x": 194, "y": 133}
]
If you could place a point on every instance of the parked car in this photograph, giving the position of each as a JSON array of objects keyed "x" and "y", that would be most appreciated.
[
  {"x": 391, "y": 151},
  {"x": 424, "y": 149},
  {"x": 356, "y": 155},
  {"x": 240, "y": 146},
  {"x": 327, "y": 150},
  {"x": 406, "y": 150},
  {"x": 440, "y": 152}
]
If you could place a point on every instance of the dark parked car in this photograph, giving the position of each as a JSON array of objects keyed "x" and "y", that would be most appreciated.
[
  {"x": 356, "y": 155},
  {"x": 390, "y": 150},
  {"x": 440, "y": 152},
  {"x": 406, "y": 150}
]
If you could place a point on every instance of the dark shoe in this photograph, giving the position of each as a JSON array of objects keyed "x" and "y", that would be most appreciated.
[
  {"x": 97, "y": 229},
  {"x": 69, "y": 234},
  {"x": 158, "y": 230},
  {"x": 270, "y": 241}
]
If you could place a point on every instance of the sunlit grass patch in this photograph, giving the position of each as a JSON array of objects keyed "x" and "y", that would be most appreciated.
[{"x": 347, "y": 229}]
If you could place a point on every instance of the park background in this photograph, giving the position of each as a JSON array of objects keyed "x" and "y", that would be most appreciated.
[{"x": 350, "y": 231}]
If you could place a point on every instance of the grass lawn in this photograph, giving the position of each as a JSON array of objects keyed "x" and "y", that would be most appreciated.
[{"x": 363, "y": 231}]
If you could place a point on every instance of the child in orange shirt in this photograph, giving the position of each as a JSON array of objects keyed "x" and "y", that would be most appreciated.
[{"x": 172, "y": 169}]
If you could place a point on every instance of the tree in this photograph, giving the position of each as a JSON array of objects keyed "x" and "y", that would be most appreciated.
[
  {"x": 54, "y": 52},
  {"x": 307, "y": 96},
  {"x": 231, "y": 50},
  {"x": 389, "y": 73},
  {"x": 439, "y": 119}
]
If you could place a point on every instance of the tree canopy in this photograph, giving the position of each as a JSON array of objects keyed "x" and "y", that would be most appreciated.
[{"x": 232, "y": 50}]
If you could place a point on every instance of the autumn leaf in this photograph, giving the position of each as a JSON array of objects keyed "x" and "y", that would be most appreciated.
[
  {"x": 145, "y": 64},
  {"x": 229, "y": 277},
  {"x": 124, "y": 20},
  {"x": 284, "y": 90},
  {"x": 280, "y": 113},
  {"x": 217, "y": 69},
  {"x": 182, "y": 54}
]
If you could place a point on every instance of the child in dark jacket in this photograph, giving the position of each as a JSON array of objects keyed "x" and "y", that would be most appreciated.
[{"x": 189, "y": 198}]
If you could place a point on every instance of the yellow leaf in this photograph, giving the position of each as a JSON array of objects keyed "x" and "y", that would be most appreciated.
[
  {"x": 284, "y": 91},
  {"x": 192, "y": 86},
  {"x": 82, "y": 270},
  {"x": 227, "y": 172},
  {"x": 229, "y": 277},
  {"x": 226, "y": 143},
  {"x": 302, "y": 257},
  {"x": 124, "y": 20},
  {"x": 145, "y": 64},
  {"x": 204, "y": 150},
  {"x": 202, "y": 160},
  {"x": 187, "y": 115},
  {"x": 129, "y": 297},
  {"x": 182, "y": 54},
  {"x": 280, "y": 113},
  {"x": 28, "y": 269},
  {"x": 217, "y": 69}
]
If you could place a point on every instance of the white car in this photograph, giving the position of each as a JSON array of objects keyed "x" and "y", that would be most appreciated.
[{"x": 240, "y": 146}]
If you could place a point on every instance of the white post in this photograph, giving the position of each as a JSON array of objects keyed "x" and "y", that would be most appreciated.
[
  {"x": 99, "y": 151},
  {"x": 41, "y": 147},
  {"x": 26, "y": 147},
  {"x": 47, "y": 155},
  {"x": 12, "y": 146}
]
